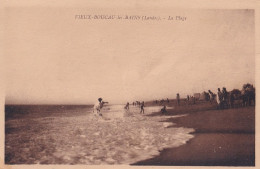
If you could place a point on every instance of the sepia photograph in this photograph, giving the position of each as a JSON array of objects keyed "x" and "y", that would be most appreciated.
[{"x": 136, "y": 87}]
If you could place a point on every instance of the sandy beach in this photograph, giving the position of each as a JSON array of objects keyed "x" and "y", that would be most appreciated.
[
  {"x": 187, "y": 135},
  {"x": 221, "y": 137}
]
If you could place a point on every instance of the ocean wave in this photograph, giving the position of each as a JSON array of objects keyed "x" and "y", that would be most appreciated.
[{"x": 119, "y": 137}]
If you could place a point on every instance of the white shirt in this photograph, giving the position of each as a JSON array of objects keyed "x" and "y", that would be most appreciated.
[{"x": 98, "y": 105}]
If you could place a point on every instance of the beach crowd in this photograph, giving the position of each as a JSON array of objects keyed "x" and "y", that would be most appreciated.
[{"x": 224, "y": 99}]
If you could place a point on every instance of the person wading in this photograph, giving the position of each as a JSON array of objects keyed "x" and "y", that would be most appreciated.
[
  {"x": 142, "y": 108},
  {"x": 98, "y": 106}
]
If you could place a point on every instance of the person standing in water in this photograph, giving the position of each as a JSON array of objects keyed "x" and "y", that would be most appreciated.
[
  {"x": 98, "y": 106},
  {"x": 142, "y": 107},
  {"x": 127, "y": 106}
]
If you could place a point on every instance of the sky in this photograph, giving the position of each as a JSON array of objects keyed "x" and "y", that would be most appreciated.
[{"x": 53, "y": 58}]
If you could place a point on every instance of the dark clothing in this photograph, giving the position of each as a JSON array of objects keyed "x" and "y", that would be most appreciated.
[{"x": 142, "y": 108}]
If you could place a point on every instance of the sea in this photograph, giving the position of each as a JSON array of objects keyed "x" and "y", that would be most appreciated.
[{"x": 73, "y": 134}]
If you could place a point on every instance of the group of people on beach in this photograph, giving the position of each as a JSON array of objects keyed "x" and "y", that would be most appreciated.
[
  {"x": 137, "y": 103},
  {"x": 100, "y": 103},
  {"x": 223, "y": 98},
  {"x": 189, "y": 99},
  {"x": 162, "y": 101}
]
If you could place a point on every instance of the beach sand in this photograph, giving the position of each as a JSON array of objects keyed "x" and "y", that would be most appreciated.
[
  {"x": 188, "y": 135},
  {"x": 221, "y": 137}
]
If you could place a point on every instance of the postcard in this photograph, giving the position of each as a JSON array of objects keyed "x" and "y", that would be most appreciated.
[{"x": 129, "y": 84}]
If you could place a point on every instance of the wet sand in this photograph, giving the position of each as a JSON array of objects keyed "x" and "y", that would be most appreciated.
[{"x": 221, "y": 138}]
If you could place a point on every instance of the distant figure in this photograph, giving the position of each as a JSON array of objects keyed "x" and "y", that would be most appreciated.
[
  {"x": 232, "y": 99},
  {"x": 194, "y": 100},
  {"x": 162, "y": 101},
  {"x": 225, "y": 98},
  {"x": 127, "y": 106},
  {"x": 156, "y": 101},
  {"x": 212, "y": 96},
  {"x": 220, "y": 99},
  {"x": 188, "y": 99},
  {"x": 168, "y": 101},
  {"x": 163, "y": 110},
  {"x": 248, "y": 94},
  {"x": 178, "y": 99},
  {"x": 142, "y": 108},
  {"x": 98, "y": 106},
  {"x": 137, "y": 103}
]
